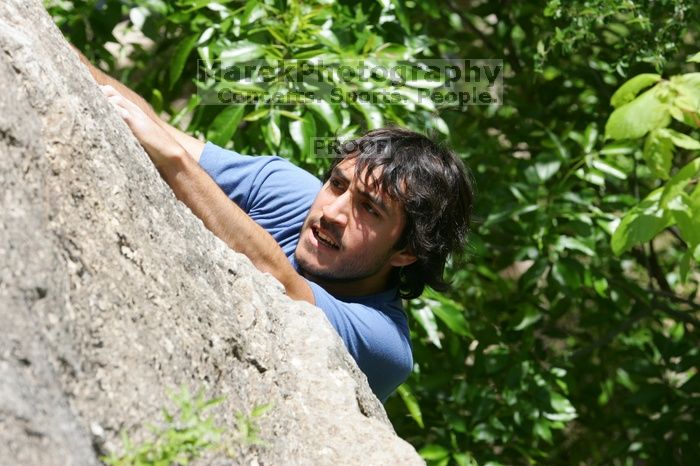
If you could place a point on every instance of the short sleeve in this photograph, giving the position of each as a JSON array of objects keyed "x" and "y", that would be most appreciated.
[
  {"x": 376, "y": 336},
  {"x": 275, "y": 193}
]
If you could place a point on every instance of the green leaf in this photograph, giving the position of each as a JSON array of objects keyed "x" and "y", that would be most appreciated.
[
  {"x": 575, "y": 244},
  {"x": 324, "y": 110},
  {"x": 303, "y": 132},
  {"x": 225, "y": 124},
  {"x": 205, "y": 36},
  {"x": 433, "y": 452},
  {"x": 686, "y": 213},
  {"x": 424, "y": 83},
  {"x": 464, "y": 459},
  {"x": 254, "y": 10},
  {"x": 542, "y": 430},
  {"x": 641, "y": 223},
  {"x": 440, "y": 125},
  {"x": 389, "y": 51},
  {"x": 257, "y": 114},
  {"x": 635, "y": 119},
  {"x": 658, "y": 153},
  {"x": 695, "y": 58},
  {"x": 563, "y": 409},
  {"x": 618, "y": 148},
  {"x": 531, "y": 315},
  {"x": 629, "y": 90},
  {"x": 426, "y": 318},
  {"x": 290, "y": 115},
  {"x": 261, "y": 409},
  {"x": 590, "y": 137},
  {"x": 546, "y": 166},
  {"x": 624, "y": 379},
  {"x": 421, "y": 79},
  {"x": 608, "y": 169},
  {"x": 327, "y": 38},
  {"x": 373, "y": 116},
  {"x": 157, "y": 101},
  {"x": 272, "y": 133},
  {"x": 182, "y": 51},
  {"x": 682, "y": 140},
  {"x": 401, "y": 15},
  {"x": 680, "y": 180},
  {"x": 192, "y": 103},
  {"x": 449, "y": 312},
  {"x": 231, "y": 89},
  {"x": 241, "y": 51},
  {"x": 566, "y": 273},
  {"x": 601, "y": 286},
  {"x": 687, "y": 86},
  {"x": 411, "y": 404}
]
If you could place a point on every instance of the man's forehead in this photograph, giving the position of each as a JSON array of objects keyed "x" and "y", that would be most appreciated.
[
  {"x": 348, "y": 169},
  {"x": 368, "y": 185}
]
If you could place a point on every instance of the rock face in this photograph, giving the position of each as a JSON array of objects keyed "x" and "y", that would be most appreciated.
[{"x": 113, "y": 293}]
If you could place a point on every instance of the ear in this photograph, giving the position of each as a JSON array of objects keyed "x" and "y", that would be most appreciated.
[{"x": 402, "y": 258}]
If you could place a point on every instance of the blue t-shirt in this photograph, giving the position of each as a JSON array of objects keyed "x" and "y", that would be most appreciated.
[{"x": 278, "y": 195}]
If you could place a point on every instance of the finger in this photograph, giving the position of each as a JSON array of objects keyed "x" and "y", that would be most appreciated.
[
  {"x": 109, "y": 90},
  {"x": 124, "y": 113},
  {"x": 117, "y": 102}
]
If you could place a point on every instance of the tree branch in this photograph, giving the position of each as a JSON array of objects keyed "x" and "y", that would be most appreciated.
[
  {"x": 675, "y": 298},
  {"x": 473, "y": 29},
  {"x": 655, "y": 269},
  {"x": 676, "y": 314},
  {"x": 649, "y": 306},
  {"x": 611, "y": 335}
]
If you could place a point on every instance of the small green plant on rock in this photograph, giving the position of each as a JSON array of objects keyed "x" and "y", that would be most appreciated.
[{"x": 188, "y": 434}]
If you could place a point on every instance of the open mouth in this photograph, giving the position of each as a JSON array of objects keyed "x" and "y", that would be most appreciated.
[{"x": 324, "y": 238}]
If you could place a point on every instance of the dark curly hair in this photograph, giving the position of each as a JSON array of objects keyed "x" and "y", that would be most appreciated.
[{"x": 435, "y": 190}]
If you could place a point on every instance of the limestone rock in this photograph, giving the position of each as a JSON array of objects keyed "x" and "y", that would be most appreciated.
[{"x": 113, "y": 293}]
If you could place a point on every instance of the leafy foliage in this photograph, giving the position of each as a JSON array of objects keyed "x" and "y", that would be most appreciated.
[
  {"x": 162, "y": 44},
  {"x": 188, "y": 435},
  {"x": 571, "y": 333},
  {"x": 678, "y": 201}
]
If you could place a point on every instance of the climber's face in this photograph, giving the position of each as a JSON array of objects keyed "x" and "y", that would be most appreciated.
[{"x": 347, "y": 241}]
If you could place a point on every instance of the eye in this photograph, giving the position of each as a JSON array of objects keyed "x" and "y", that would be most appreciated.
[
  {"x": 336, "y": 184},
  {"x": 370, "y": 209}
]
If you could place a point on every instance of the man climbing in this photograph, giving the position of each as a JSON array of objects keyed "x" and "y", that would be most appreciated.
[{"x": 380, "y": 228}]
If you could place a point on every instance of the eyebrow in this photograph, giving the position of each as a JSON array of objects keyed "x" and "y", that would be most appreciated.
[{"x": 374, "y": 199}]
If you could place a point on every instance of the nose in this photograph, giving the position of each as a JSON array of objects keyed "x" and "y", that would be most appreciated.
[{"x": 336, "y": 211}]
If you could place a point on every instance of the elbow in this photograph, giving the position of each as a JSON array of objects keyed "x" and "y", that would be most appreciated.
[{"x": 297, "y": 289}]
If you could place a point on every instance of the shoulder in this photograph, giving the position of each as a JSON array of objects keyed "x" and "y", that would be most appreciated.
[
  {"x": 217, "y": 160},
  {"x": 270, "y": 189},
  {"x": 375, "y": 331}
]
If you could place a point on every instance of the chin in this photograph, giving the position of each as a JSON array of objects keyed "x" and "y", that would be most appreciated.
[{"x": 312, "y": 270}]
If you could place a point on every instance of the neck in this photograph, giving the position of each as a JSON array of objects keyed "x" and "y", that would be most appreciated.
[{"x": 352, "y": 288}]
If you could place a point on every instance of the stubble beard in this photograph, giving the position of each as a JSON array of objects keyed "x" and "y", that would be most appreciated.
[{"x": 351, "y": 270}]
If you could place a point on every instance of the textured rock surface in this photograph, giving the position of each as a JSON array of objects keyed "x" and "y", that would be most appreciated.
[{"x": 112, "y": 293}]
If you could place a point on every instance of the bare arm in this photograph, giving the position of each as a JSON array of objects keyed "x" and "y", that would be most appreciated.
[
  {"x": 193, "y": 186},
  {"x": 193, "y": 146}
]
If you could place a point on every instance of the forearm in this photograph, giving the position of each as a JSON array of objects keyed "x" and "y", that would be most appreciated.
[{"x": 193, "y": 186}]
